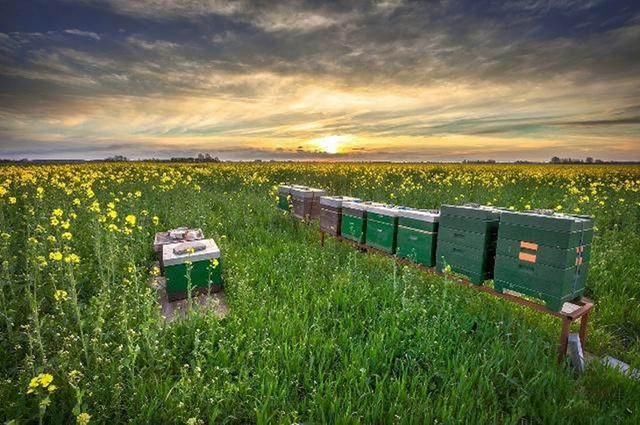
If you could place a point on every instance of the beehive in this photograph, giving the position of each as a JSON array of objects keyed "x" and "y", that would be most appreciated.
[
  {"x": 353, "y": 225},
  {"x": 544, "y": 255},
  {"x": 417, "y": 235},
  {"x": 382, "y": 227},
  {"x": 284, "y": 193},
  {"x": 467, "y": 240},
  {"x": 331, "y": 213},
  {"x": 193, "y": 264},
  {"x": 180, "y": 234},
  {"x": 306, "y": 201}
]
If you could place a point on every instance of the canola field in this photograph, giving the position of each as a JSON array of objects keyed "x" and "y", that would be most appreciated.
[{"x": 314, "y": 335}]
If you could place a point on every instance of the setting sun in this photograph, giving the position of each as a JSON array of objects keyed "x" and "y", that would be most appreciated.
[{"x": 330, "y": 144}]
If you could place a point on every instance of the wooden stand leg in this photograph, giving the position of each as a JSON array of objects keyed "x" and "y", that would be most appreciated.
[
  {"x": 564, "y": 338},
  {"x": 321, "y": 238},
  {"x": 584, "y": 321}
]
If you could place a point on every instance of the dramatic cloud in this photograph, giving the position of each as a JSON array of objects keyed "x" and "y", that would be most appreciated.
[{"x": 304, "y": 79}]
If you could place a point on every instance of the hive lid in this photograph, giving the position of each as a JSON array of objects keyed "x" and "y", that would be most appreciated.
[
  {"x": 431, "y": 216},
  {"x": 179, "y": 253},
  {"x": 178, "y": 234},
  {"x": 284, "y": 189},
  {"x": 302, "y": 192},
  {"x": 337, "y": 201},
  {"x": 474, "y": 211},
  {"x": 548, "y": 220},
  {"x": 384, "y": 209},
  {"x": 356, "y": 205}
]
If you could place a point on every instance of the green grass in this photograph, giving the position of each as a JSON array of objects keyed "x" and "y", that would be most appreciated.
[{"x": 315, "y": 334}]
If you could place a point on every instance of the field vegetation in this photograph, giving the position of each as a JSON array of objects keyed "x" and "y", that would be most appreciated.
[{"x": 315, "y": 335}]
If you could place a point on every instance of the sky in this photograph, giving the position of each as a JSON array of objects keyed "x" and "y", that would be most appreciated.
[{"x": 395, "y": 80}]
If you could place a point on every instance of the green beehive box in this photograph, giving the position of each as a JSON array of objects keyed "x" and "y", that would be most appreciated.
[
  {"x": 467, "y": 240},
  {"x": 544, "y": 255},
  {"x": 417, "y": 235},
  {"x": 354, "y": 221},
  {"x": 382, "y": 227},
  {"x": 196, "y": 264}
]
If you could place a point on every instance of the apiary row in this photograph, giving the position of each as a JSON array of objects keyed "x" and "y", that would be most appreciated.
[
  {"x": 188, "y": 261},
  {"x": 302, "y": 201},
  {"x": 537, "y": 253}
]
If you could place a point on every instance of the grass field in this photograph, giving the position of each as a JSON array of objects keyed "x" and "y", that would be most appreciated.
[{"x": 315, "y": 334}]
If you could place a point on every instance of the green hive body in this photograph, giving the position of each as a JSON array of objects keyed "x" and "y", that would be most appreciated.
[
  {"x": 417, "y": 236},
  {"x": 196, "y": 268},
  {"x": 544, "y": 255},
  {"x": 353, "y": 225},
  {"x": 467, "y": 240},
  {"x": 382, "y": 227},
  {"x": 331, "y": 213},
  {"x": 284, "y": 196}
]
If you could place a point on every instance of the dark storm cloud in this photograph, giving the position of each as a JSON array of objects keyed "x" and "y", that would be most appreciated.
[{"x": 515, "y": 69}]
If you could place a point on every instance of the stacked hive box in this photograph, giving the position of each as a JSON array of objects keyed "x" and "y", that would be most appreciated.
[
  {"x": 306, "y": 201},
  {"x": 467, "y": 240},
  {"x": 544, "y": 255},
  {"x": 382, "y": 227},
  {"x": 331, "y": 213},
  {"x": 417, "y": 235},
  {"x": 284, "y": 193},
  {"x": 192, "y": 265},
  {"x": 180, "y": 234},
  {"x": 354, "y": 221}
]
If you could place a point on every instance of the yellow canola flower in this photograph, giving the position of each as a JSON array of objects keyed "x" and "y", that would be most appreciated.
[
  {"x": 83, "y": 418},
  {"x": 61, "y": 295},
  {"x": 55, "y": 256},
  {"x": 155, "y": 220},
  {"x": 131, "y": 220},
  {"x": 112, "y": 214},
  {"x": 72, "y": 259},
  {"x": 12, "y": 199},
  {"x": 43, "y": 380},
  {"x": 57, "y": 212},
  {"x": 67, "y": 236}
]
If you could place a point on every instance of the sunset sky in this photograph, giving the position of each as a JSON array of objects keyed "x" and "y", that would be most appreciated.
[{"x": 354, "y": 80}]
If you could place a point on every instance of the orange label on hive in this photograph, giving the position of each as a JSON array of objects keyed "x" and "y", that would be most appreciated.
[
  {"x": 528, "y": 245},
  {"x": 529, "y": 258}
]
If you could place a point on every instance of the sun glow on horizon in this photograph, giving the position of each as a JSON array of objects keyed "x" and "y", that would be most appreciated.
[{"x": 330, "y": 144}]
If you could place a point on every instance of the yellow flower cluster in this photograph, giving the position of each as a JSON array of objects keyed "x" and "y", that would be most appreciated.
[
  {"x": 61, "y": 295},
  {"x": 44, "y": 381}
]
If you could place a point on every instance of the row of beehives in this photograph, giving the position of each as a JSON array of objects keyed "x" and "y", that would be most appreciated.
[
  {"x": 189, "y": 262},
  {"x": 537, "y": 253}
]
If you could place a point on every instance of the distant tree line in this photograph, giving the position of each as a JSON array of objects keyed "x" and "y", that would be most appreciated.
[
  {"x": 587, "y": 160},
  {"x": 202, "y": 157}
]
